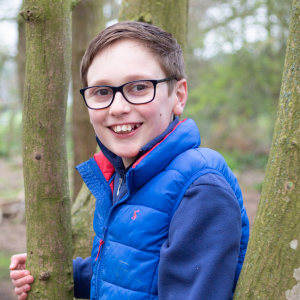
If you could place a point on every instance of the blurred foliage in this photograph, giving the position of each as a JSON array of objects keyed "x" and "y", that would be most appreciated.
[
  {"x": 4, "y": 265},
  {"x": 10, "y": 132},
  {"x": 234, "y": 60},
  {"x": 10, "y": 109},
  {"x": 240, "y": 162},
  {"x": 235, "y": 64},
  {"x": 258, "y": 186}
]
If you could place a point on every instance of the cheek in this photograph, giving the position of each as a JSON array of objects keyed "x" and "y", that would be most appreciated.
[
  {"x": 95, "y": 117},
  {"x": 158, "y": 113},
  {"x": 146, "y": 112},
  {"x": 165, "y": 110}
]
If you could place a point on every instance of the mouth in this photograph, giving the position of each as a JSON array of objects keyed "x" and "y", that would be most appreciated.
[{"x": 126, "y": 128}]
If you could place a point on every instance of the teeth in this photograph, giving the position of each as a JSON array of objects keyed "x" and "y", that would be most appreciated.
[{"x": 125, "y": 128}]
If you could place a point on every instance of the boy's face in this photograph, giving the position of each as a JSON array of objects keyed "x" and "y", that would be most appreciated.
[{"x": 123, "y": 61}]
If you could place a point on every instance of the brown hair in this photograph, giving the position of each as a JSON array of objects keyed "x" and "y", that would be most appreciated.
[{"x": 159, "y": 42}]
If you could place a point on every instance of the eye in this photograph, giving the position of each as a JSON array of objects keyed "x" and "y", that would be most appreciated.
[
  {"x": 139, "y": 87},
  {"x": 102, "y": 92}
]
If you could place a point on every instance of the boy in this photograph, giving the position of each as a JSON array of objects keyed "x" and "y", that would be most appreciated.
[{"x": 169, "y": 219}]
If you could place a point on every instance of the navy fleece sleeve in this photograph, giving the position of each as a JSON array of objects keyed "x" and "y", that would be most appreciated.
[
  {"x": 82, "y": 273},
  {"x": 199, "y": 258}
]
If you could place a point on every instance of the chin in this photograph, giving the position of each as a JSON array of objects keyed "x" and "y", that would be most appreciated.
[{"x": 127, "y": 153}]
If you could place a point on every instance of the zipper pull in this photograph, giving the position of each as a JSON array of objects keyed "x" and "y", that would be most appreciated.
[
  {"x": 120, "y": 183},
  {"x": 100, "y": 244}
]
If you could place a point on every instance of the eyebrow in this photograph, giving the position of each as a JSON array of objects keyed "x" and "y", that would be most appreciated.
[{"x": 127, "y": 79}]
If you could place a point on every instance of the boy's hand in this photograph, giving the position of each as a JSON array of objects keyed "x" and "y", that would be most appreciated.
[{"x": 21, "y": 278}]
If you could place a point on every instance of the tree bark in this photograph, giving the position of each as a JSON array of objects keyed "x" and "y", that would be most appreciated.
[
  {"x": 48, "y": 222},
  {"x": 87, "y": 22},
  {"x": 272, "y": 266},
  {"x": 170, "y": 15}
]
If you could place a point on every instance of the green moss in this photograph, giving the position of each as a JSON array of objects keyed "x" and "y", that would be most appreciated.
[
  {"x": 290, "y": 185},
  {"x": 145, "y": 17}
]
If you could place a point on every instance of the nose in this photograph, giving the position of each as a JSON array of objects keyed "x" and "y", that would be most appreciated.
[{"x": 119, "y": 106}]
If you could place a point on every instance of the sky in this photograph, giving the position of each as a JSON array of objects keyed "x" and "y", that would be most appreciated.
[{"x": 8, "y": 27}]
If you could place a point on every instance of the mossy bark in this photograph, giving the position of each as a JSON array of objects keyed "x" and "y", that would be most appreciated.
[
  {"x": 48, "y": 220},
  {"x": 170, "y": 15},
  {"x": 87, "y": 21},
  {"x": 272, "y": 265}
]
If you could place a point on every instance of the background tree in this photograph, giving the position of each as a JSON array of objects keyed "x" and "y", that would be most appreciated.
[
  {"x": 21, "y": 56},
  {"x": 235, "y": 57},
  {"x": 82, "y": 223},
  {"x": 271, "y": 269},
  {"x": 48, "y": 222},
  {"x": 87, "y": 21},
  {"x": 168, "y": 15},
  {"x": 15, "y": 97}
]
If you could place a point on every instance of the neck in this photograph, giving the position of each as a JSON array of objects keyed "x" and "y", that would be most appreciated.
[{"x": 127, "y": 161}]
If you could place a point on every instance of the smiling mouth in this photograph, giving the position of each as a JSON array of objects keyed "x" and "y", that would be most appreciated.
[{"x": 125, "y": 128}]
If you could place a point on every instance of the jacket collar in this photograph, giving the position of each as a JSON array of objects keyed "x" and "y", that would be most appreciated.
[{"x": 184, "y": 136}]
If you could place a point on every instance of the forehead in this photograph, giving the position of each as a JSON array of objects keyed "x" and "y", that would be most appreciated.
[{"x": 123, "y": 61}]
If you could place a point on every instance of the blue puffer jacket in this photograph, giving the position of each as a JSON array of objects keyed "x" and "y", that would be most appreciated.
[{"x": 129, "y": 235}]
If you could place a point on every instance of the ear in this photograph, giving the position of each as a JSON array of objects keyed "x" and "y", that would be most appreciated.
[{"x": 181, "y": 95}]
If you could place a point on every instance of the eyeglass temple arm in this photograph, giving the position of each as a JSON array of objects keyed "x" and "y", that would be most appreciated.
[{"x": 167, "y": 79}]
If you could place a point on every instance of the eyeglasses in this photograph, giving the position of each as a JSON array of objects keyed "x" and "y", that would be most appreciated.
[{"x": 135, "y": 92}]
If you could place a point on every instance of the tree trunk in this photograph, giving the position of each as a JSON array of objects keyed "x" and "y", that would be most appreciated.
[
  {"x": 272, "y": 266},
  {"x": 48, "y": 223},
  {"x": 87, "y": 22},
  {"x": 170, "y": 15}
]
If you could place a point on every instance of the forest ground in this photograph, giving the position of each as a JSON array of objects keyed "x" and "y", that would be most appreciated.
[{"x": 13, "y": 231}]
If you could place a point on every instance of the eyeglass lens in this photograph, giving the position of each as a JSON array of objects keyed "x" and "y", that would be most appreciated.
[{"x": 135, "y": 92}]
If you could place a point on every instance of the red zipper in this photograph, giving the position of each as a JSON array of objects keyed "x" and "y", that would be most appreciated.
[{"x": 100, "y": 244}]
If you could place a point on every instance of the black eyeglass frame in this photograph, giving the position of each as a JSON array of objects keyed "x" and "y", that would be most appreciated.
[{"x": 116, "y": 89}]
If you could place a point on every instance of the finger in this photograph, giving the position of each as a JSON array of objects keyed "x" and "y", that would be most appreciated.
[
  {"x": 23, "y": 281},
  {"x": 16, "y": 274},
  {"x": 24, "y": 289},
  {"x": 23, "y": 296},
  {"x": 17, "y": 259}
]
